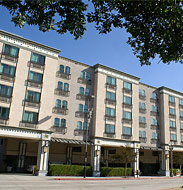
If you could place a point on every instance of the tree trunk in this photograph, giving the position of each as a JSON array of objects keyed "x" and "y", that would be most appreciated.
[{"x": 125, "y": 169}]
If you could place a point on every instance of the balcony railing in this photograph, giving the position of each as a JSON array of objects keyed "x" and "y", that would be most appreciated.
[
  {"x": 6, "y": 77},
  {"x": 142, "y": 110},
  {"x": 32, "y": 83},
  {"x": 172, "y": 116},
  {"x": 63, "y": 75},
  {"x": 84, "y": 81},
  {"x": 36, "y": 65},
  {"x": 143, "y": 139},
  {"x": 173, "y": 129},
  {"x": 79, "y": 132},
  {"x": 154, "y": 141},
  {"x": 111, "y": 86},
  {"x": 29, "y": 103},
  {"x": 142, "y": 97},
  {"x": 171, "y": 103},
  {"x": 180, "y": 106},
  {"x": 127, "y": 91},
  {"x": 126, "y": 137},
  {"x": 154, "y": 126},
  {"x": 110, "y": 135},
  {"x": 181, "y": 117},
  {"x": 9, "y": 57},
  {"x": 28, "y": 125},
  {"x": 80, "y": 114},
  {"x": 4, "y": 121},
  {"x": 5, "y": 98},
  {"x": 181, "y": 130},
  {"x": 126, "y": 105},
  {"x": 110, "y": 102},
  {"x": 82, "y": 97},
  {"x": 142, "y": 125},
  {"x": 127, "y": 121},
  {"x": 62, "y": 111},
  {"x": 62, "y": 92},
  {"x": 153, "y": 100},
  {"x": 110, "y": 118},
  {"x": 61, "y": 130},
  {"x": 154, "y": 113}
]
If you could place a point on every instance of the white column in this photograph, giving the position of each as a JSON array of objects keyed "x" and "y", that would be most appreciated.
[
  {"x": 136, "y": 163},
  {"x": 96, "y": 160},
  {"x": 165, "y": 163},
  {"x": 42, "y": 158}
]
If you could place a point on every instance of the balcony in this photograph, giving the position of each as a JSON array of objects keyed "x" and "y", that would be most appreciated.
[
  {"x": 126, "y": 105},
  {"x": 9, "y": 57},
  {"x": 142, "y": 110},
  {"x": 154, "y": 126},
  {"x": 110, "y": 135},
  {"x": 142, "y": 125},
  {"x": 171, "y": 103},
  {"x": 84, "y": 81},
  {"x": 173, "y": 142},
  {"x": 5, "y": 98},
  {"x": 172, "y": 116},
  {"x": 6, "y": 77},
  {"x": 126, "y": 137},
  {"x": 142, "y": 97},
  {"x": 181, "y": 130},
  {"x": 143, "y": 139},
  {"x": 4, "y": 121},
  {"x": 35, "y": 84},
  {"x": 180, "y": 106},
  {"x": 181, "y": 117},
  {"x": 60, "y": 92},
  {"x": 63, "y": 75},
  {"x": 154, "y": 113},
  {"x": 153, "y": 100},
  {"x": 36, "y": 65},
  {"x": 61, "y": 130},
  {"x": 110, "y": 102},
  {"x": 111, "y": 86},
  {"x": 79, "y": 132},
  {"x": 62, "y": 111},
  {"x": 127, "y": 121},
  {"x": 154, "y": 141},
  {"x": 28, "y": 125},
  {"x": 82, "y": 97},
  {"x": 127, "y": 91},
  {"x": 31, "y": 103},
  {"x": 110, "y": 118},
  {"x": 80, "y": 114},
  {"x": 173, "y": 129}
]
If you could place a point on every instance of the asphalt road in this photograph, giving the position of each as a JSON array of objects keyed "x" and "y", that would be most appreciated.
[{"x": 27, "y": 182}]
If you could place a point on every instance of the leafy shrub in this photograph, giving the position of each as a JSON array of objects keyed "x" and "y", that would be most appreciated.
[
  {"x": 104, "y": 171},
  {"x": 174, "y": 171}
]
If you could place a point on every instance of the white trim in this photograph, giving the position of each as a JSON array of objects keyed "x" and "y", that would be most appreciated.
[
  {"x": 116, "y": 75},
  {"x": 171, "y": 93},
  {"x": 27, "y": 45}
]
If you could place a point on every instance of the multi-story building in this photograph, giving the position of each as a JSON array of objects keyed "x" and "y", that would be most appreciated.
[{"x": 46, "y": 100}]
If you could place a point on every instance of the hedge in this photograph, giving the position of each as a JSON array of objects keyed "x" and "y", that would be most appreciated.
[
  {"x": 68, "y": 170},
  {"x": 174, "y": 172},
  {"x": 104, "y": 171}
]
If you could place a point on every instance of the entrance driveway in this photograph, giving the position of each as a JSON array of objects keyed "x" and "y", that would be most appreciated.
[{"x": 28, "y": 182}]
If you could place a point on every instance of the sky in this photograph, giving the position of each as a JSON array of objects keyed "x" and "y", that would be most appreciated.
[{"x": 108, "y": 49}]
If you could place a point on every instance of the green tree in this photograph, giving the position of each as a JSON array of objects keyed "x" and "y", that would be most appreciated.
[
  {"x": 178, "y": 159},
  {"x": 126, "y": 155},
  {"x": 155, "y": 27}
]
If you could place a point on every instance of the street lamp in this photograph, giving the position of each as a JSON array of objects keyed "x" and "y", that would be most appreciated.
[
  {"x": 171, "y": 157},
  {"x": 89, "y": 117}
]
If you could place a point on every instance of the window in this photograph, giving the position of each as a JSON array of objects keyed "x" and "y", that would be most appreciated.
[
  {"x": 39, "y": 59},
  {"x": 79, "y": 125},
  {"x": 111, "y": 96},
  {"x": 181, "y": 138},
  {"x": 87, "y": 92},
  {"x": 154, "y": 108},
  {"x": 172, "y": 111},
  {"x": 173, "y": 137},
  {"x": 112, "y": 151},
  {"x": 110, "y": 129},
  {"x": 36, "y": 77},
  {"x": 56, "y": 122},
  {"x": 88, "y": 77},
  {"x": 127, "y": 100},
  {"x": 110, "y": 112},
  {"x": 111, "y": 81},
  {"x": 81, "y": 90},
  {"x": 181, "y": 125},
  {"x": 181, "y": 102},
  {"x": 127, "y": 131},
  {"x": 66, "y": 87},
  {"x": 33, "y": 96},
  {"x": 30, "y": 117},
  {"x": 141, "y": 92},
  {"x": 127, "y": 115},
  {"x": 67, "y": 70},
  {"x": 4, "y": 113},
  {"x": 154, "y": 135},
  {"x": 60, "y": 85},
  {"x": 82, "y": 75},
  {"x": 5, "y": 90},
  {"x": 11, "y": 51},
  {"x": 172, "y": 124},
  {"x": 181, "y": 114},
  {"x": 154, "y": 122},
  {"x": 172, "y": 99},
  {"x": 142, "y": 134},
  {"x": 76, "y": 149},
  {"x": 142, "y": 119},
  {"x": 64, "y": 104},
  {"x": 154, "y": 95},
  {"x": 85, "y": 108},
  {"x": 61, "y": 68},
  {"x": 84, "y": 125},
  {"x": 58, "y": 103},
  {"x": 80, "y": 107},
  {"x": 142, "y": 105},
  {"x": 127, "y": 85},
  {"x": 63, "y": 123},
  {"x": 7, "y": 70}
]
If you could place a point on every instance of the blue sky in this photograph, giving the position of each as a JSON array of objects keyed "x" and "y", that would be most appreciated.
[{"x": 110, "y": 50}]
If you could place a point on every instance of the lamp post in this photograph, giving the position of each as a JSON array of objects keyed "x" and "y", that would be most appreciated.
[
  {"x": 171, "y": 158},
  {"x": 89, "y": 117}
]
